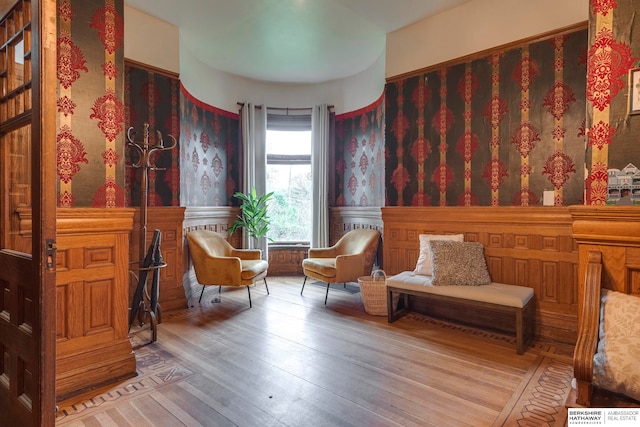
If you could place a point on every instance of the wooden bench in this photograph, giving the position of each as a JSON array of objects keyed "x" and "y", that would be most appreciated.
[
  {"x": 586, "y": 393},
  {"x": 509, "y": 305},
  {"x": 608, "y": 239},
  {"x": 523, "y": 246}
]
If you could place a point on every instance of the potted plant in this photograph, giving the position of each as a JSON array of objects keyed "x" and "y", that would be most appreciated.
[{"x": 253, "y": 214}]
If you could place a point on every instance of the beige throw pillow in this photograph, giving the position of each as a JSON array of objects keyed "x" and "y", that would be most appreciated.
[
  {"x": 424, "y": 266},
  {"x": 616, "y": 365},
  {"x": 458, "y": 263}
]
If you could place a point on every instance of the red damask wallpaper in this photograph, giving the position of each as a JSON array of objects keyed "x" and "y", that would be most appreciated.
[
  {"x": 153, "y": 98},
  {"x": 209, "y": 154},
  {"x": 90, "y": 141},
  {"x": 613, "y": 135},
  {"x": 493, "y": 131},
  {"x": 359, "y": 157}
]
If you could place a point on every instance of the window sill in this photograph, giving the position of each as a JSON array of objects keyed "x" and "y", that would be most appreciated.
[{"x": 292, "y": 245}]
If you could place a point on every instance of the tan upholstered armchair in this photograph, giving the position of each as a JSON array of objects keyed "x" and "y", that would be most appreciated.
[
  {"x": 216, "y": 262},
  {"x": 351, "y": 257}
]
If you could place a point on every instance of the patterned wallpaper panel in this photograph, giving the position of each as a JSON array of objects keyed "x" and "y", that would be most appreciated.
[
  {"x": 359, "y": 157},
  {"x": 613, "y": 135},
  {"x": 493, "y": 131},
  {"x": 90, "y": 140},
  {"x": 153, "y": 98},
  {"x": 210, "y": 164}
]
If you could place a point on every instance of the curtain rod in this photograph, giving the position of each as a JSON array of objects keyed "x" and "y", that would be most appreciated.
[{"x": 259, "y": 107}]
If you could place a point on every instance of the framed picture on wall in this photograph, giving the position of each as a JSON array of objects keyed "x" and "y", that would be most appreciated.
[{"x": 634, "y": 91}]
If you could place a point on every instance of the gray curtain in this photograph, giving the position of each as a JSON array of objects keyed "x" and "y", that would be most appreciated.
[
  {"x": 254, "y": 134},
  {"x": 320, "y": 172}
]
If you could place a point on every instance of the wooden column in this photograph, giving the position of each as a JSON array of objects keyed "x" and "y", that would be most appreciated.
[{"x": 615, "y": 232}]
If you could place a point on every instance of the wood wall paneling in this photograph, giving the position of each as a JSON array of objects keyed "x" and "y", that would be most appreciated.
[
  {"x": 530, "y": 247},
  {"x": 92, "y": 347},
  {"x": 169, "y": 220},
  {"x": 287, "y": 260}
]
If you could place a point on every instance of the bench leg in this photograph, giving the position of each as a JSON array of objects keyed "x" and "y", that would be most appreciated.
[
  {"x": 396, "y": 311},
  {"x": 519, "y": 332},
  {"x": 525, "y": 331}
]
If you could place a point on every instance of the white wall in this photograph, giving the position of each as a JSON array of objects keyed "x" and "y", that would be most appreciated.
[
  {"x": 224, "y": 90},
  {"x": 157, "y": 43},
  {"x": 476, "y": 26},
  {"x": 150, "y": 40}
]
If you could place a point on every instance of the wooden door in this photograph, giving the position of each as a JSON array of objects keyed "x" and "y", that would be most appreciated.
[{"x": 27, "y": 189}]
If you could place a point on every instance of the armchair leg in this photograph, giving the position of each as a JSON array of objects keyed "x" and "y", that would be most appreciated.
[
  {"x": 327, "y": 295},
  {"x": 201, "y": 293},
  {"x": 305, "y": 281},
  {"x": 249, "y": 291},
  {"x": 265, "y": 285}
]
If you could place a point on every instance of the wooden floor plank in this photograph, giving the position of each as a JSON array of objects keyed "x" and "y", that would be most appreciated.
[
  {"x": 233, "y": 407},
  {"x": 153, "y": 413},
  {"x": 290, "y": 360}
]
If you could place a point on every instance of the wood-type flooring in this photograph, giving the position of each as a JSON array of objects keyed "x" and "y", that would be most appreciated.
[{"x": 292, "y": 361}]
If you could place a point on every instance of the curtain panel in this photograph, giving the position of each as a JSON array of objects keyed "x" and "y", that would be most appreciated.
[
  {"x": 254, "y": 133},
  {"x": 320, "y": 126}
]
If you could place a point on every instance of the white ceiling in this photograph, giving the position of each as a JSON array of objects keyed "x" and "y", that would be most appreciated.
[{"x": 293, "y": 41}]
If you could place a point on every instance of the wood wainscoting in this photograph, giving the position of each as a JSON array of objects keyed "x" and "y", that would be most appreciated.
[
  {"x": 92, "y": 275},
  {"x": 169, "y": 220},
  {"x": 286, "y": 260},
  {"x": 215, "y": 218},
  {"x": 526, "y": 246}
]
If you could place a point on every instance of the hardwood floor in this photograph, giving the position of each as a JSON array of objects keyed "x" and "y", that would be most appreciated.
[{"x": 292, "y": 361}]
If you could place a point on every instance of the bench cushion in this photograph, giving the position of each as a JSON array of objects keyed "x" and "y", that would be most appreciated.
[{"x": 493, "y": 293}]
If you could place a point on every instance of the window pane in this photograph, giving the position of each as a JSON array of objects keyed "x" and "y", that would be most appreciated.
[
  {"x": 290, "y": 208},
  {"x": 285, "y": 142},
  {"x": 15, "y": 176}
]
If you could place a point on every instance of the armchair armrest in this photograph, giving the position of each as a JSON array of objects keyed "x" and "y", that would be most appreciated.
[
  {"x": 247, "y": 253},
  {"x": 349, "y": 267},
  {"x": 322, "y": 252},
  {"x": 218, "y": 270}
]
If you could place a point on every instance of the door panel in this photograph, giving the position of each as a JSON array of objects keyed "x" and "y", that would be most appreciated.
[{"x": 27, "y": 191}]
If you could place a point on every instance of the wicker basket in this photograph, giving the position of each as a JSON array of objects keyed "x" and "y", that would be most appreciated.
[{"x": 374, "y": 293}]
